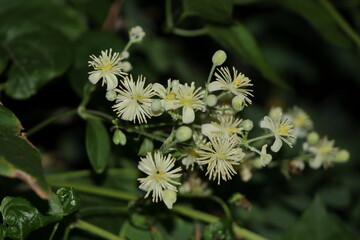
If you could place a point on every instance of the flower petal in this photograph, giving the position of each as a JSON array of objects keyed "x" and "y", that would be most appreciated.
[
  {"x": 209, "y": 129},
  {"x": 95, "y": 77},
  {"x": 111, "y": 81},
  {"x": 215, "y": 86},
  {"x": 188, "y": 114},
  {"x": 277, "y": 144}
]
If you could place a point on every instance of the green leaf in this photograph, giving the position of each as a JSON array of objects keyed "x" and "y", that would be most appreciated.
[
  {"x": 146, "y": 146},
  {"x": 239, "y": 41},
  {"x": 49, "y": 14},
  {"x": 319, "y": 18},
  {"x": 69, "y": 199},
  {"x": 119, "y": 137},
  {"x": 9, "y": 123},
  {"x": 317, "y": 224},
  {"x": 214, "y": 10},
  {"x": 220, "y": 230},
  {"x": 97, "y": 144},
  {"x": 18, "y": 157},
  {"x": 38, "y": 56}
]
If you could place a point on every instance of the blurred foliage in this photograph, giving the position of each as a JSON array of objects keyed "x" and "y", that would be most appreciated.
[{"x": 297, "y": 52}]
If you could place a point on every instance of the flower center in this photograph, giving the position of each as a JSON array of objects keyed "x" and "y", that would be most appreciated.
[
  {"x": 283, "y": 130},
  {"x": 106, "y": 67},
  {"x": 160, "y": 175},
  {"x": 325, "y": 149},
  {"x": 237, "y": 81},
  {"x": 170, "y": 96}
]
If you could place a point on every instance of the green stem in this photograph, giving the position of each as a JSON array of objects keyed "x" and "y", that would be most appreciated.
[
  {"x": 352, "y": 34},
  {"x": 142, "y": 132},
  {"x": 95, "y": 230},
  {"x": 100, "y": 114},
  {"x": 259, "y": 138},
  {"x": 128, "y": 45},
  {"x": 87, "y": 173},
  {"x": 101, "y": 191},
  {"x": 50, "y": 120},
  {"x": 54, "y": 231},
  {"x": 223, "y": 205},
  {"x": 209, "y": 79},
  {"x": 67, "y": 232},
  {"x": 189, "y": 33},
  {"x": 183, "y": 210},
  {"x": 168, "y": 15}
]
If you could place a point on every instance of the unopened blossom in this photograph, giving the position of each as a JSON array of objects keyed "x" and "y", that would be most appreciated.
[
  {"x": 190, "y": 99},
  {"x": 133, "y": 102},
  {"x": 282, "y": 130},
  {"x": 220, "y": 154},
  {"x": 237, "y": 83},
  {"x": 136, "y": 34},
  {"x": 227, "y": 125},
  {"x": 161, "y": 175},
  {"x": 106, "y": 67}
]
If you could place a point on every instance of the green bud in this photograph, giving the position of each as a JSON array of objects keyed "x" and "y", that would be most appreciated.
[
  {"x": 312, "y": 138},
  {"x": 156, "y": 107},
  {"x": 183, "y": 133},
  {"x": 119, "y": 137},
  {"x": 211, "y": 100},
  {"x": 110, "y": 95},
  {"x": 275, "y": 113},
  {"x": 238, "y": 103},
  {"x": 219, "y": 57},
  {"x": 169, "y": 198},
  {"x": 247, "y": 125},
  {"x": 342, "y": 156},
  {"x": 126, "y": 66}
]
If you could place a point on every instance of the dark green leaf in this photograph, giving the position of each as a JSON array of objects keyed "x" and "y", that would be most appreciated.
[
  {"x": 9, "y": 124},
  {"x": 18, "y": 157},
  {"x": 317, "y": 224},
  {"x": 49, "y": 13},
  {"x": 238, "y": 40},
  {"x": 69, "y": 199},
  {"x": 319, "y": 18},
  {"x": 97, "y": 144},
  {"x": 215, "y": 10},
  {"x": 220, "y": 230},
  {"x": 146, "y": 146}
]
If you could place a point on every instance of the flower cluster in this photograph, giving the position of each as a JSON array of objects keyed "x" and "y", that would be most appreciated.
[{"x": 206, "y": 131}]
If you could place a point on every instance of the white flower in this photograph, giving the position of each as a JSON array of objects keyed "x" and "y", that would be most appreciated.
[
  {"x": 227, "y": 125},
  {"x": 159, "y": 169},
  {"x": 282, "y": 129},
  {"x": 107, "y": 66},
  {"x": 302, "y": 122},
  {"x": 134, "y": 100},
  {"x": 325, "y": 153},
  {"x": 224, "y": 109},
  {"x": 167, "y": 95},
  {"x": 189, "y": 99},
  {"x": 189, "y": 157},
  {"x": 237, "y": 83},
  {"x": 265, "y": 158},
  {"x": 220, "y": 154},
  {"x": 136, "y": 34}
]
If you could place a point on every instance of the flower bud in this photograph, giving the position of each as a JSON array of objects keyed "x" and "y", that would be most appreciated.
[
  {"x": 238, "y": 103},
  {"x": 156, "y": 107},
  {"x": 211, "y": 100},
  {"x": 312, "y": 138},
  {"x": 126, "y": 66},
  {"x": 219, "y": 57},
  {"x": 275, "y": 113},
  {"x": 169, "y": 198},
  {"x": 119, "y": 137},
  {"x": 183, "y": 133},
  {"x": 247, "y": 125},
  {"x": 136, "y": 34},
  {"x": 342, "y": 156},
  {"x": 110, "y": 95},
  {"x": 125, "y": 55}
]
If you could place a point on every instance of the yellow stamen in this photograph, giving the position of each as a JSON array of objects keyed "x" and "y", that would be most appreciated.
[
  {"x": 283, "y": 130},
  {"x": 170, "y": 96},
  {"x": 106, "y": 67}
]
